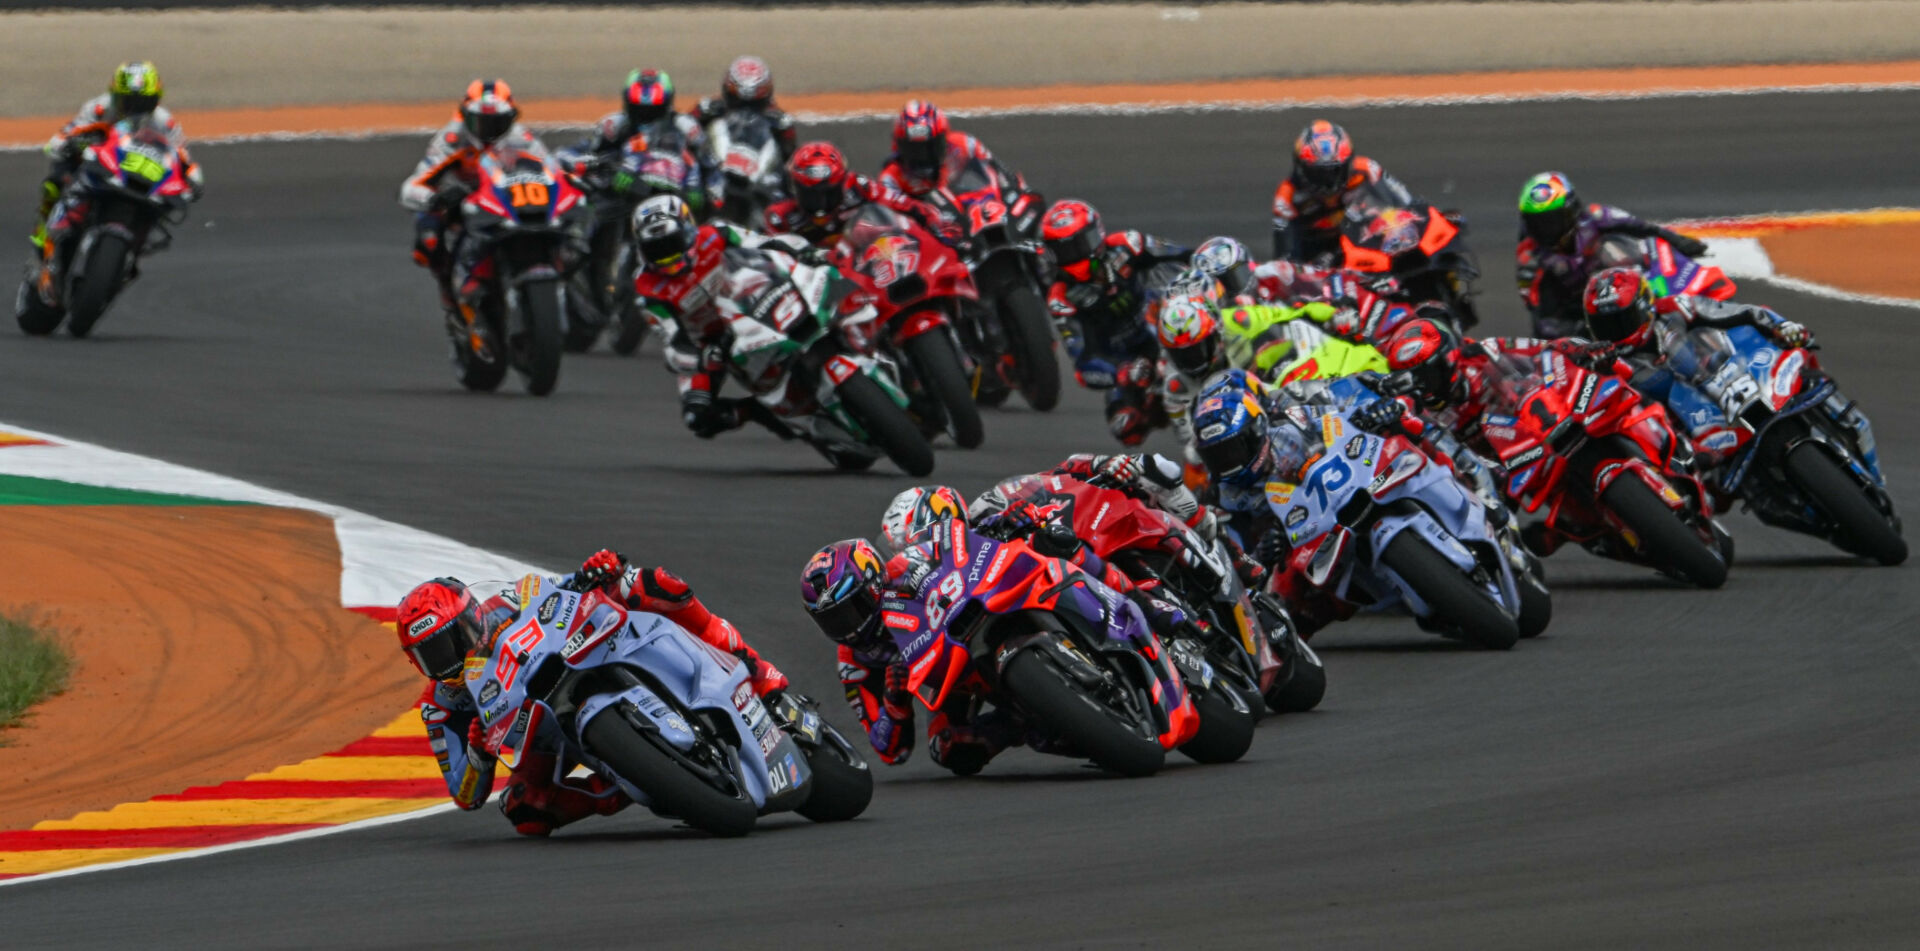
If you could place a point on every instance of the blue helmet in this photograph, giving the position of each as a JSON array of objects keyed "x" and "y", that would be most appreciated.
[{"x": 1230, "y": 429}]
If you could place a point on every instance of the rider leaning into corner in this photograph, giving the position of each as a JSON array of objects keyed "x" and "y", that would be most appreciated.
[
  {"x": 133, "y": 94},
  {"x": 486, "y": 118},
  {"x": 681, "y": 283},
  {"x": 1098, "y": 301},
  {"x": 748, "y": 87},
  {"x": 443, "y": 629},
  {"x": 1560, "y": 248},
  {"x": 845, "y": 584},
  {"x": 1310, "y": 204}
]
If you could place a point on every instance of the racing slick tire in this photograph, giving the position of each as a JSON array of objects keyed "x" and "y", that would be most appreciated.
[
  {"x": 473, "y": 371},
  {"x": 1303, "y": 681},
  {"x": 1536, "y": 605},
  {"x": 936, "y": 357},
  {"x": 35, "y": 317},
  {"x": 887, "y": 425},
  {"x": 673, "y": 789},
  {"x": 1226, "y": 726},
  {"x": 1861, "y": 528},
  {"x": 96, "y": 284},
  {"x": 842, "y": 782},
  {"x": 1030, "y": 336},
  {"x": 1055, "y": 699},
  {"x": 537, "y": 347},
  {"x": 1671, "y": 544},
  {"x": 1450, "y": 593}
]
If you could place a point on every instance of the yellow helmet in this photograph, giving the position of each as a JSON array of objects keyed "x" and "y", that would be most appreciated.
[{"x": 135, "y": 88}]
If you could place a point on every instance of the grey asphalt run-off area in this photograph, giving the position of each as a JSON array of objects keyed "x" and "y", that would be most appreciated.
[{"x": 1665, "y": 768}]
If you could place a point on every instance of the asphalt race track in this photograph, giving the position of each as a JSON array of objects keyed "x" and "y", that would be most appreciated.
[{"x": 1665, "y": 768}]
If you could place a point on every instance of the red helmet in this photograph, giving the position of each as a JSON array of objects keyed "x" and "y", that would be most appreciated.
[
  {"x": 488, "y": 111},
  {"x": 1619, "y": 304},
  {"x": 439, "y": 624},
  {"x": 1322, "y": 157},
  {"x": 1425, "y": 351},
  {"x": 1073, "y": 235},
  {"x": 819, "y": 175},
  {"x": 748, "y": 83},
  {"x": 920, "y": 139}
]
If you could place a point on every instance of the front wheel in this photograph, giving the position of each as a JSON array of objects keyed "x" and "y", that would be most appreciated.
[
  {"x": 1100, "y": 732},
  {"x": 1449, "y": 592},
  {"x": 1303, "y": 682},
  {"x": 36, "y": 317},
  {"x": 1023, "y": 316},
  {"x": 97, "y": 283},
  {"x": 672, "y": 788},
  {"x": 538, "y": 343},
  {"x": 886, "y": 424},
  {"x": 1670, "y": 543},
  {"x": 936, "y": 358},
  {"x": 1860, "y": 526},
  {"x": 1536, "y": 604},
  {"x": 1226, "y": 726},
  {"x": 842, "y": 783}
]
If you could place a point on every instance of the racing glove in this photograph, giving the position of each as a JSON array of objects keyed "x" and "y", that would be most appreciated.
[
  {"x": 607, "y": 567},
  {"x": 896, "y": 699},
  {"x": 1686, "y": 244},
  {"x": 1271, "y": 547},
  {"x": 1598, "y": 357},
  {"x": 477, "y": 751},
  {"x": 1380, "y": 416},
  {"x": 1793, "y": 334},
  {"x": 1117, "y": 471},
  {"x": 813, "y": 256}
]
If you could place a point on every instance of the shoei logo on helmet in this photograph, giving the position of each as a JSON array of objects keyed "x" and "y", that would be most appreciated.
[
  {"x": 1408, "y": 351},
  {"x": 422, "y": 626}
]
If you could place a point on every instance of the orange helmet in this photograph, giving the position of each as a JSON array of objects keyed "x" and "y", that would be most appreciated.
[
  {"x": 488, "y": 111},
  {"x": 1322, "y": 157}
]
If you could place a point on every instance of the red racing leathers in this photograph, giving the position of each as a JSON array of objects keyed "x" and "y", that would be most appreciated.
[
  {"x": 540, "y": 797},
  {"x": 786, "y": 217},
  {"x": 960, "y": 147},
  {"x": 1306, "y": 225}
]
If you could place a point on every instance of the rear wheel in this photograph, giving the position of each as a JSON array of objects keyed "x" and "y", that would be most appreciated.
[
  {"x": 35, "y": 316},
  {"x": 538, "y": 345},
  {"x": 842, "y": 783},
  {"x": 887, "y": 425},
  {"x": 671, "y": 786},
  {"x": 1861, "y": 528},
  {"x": 1064, "y": 706},
  {"x": 937, "y": 360},
  {"x": 1023, "y": 316},
  {"x": 1670, "y": 543},
  {"x": 96, "y": 284},
  {"x": 1452, "y": 595}
]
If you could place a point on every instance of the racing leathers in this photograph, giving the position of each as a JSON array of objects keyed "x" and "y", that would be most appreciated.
[
  {"x": 89, "y": 127},
  {"x": 1306, "y": 225},
  {"x": 713, "y": 109},
  {"x": 540, "y": 797},
  {"x": 1551, "y": 279},
  {"x": 1102, "y": 321},
  {"x": 615, "y": 133},
  {"x": 786, "y": 217},
  {"x": 444, "y": 177},
  {"x": 960, "y": 148},
  {"x": 689, "y": 305}
]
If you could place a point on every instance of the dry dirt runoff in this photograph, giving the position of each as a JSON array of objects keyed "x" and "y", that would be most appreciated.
[{"x": 49, "y": 62}]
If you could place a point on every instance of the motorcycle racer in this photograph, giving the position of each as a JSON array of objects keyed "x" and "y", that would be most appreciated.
[
  {"x": 1098, "y": 300},
  {"x": 1310, "y": 204},
  {"x": 132, "y": 94},
  {"x": 827, "y": 194},
  {"x": 1559, "y": 249},
  {"x": 443, "y": 629},
  {"x": 925, "y": 147},
  {"x": 1621, "y": 309},
  {"x": 646, "y": 109},
  {"x": 748, "y": 86},
  {"x": 682, "y": 275},
  {"x": 486, "y": 118}
]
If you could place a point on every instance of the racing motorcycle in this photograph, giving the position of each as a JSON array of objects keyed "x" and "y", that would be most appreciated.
[
  {"x": 1668, "y": 271},
  {"x": 530, "y": 219},
  {"x": 1011, "y": 333},
  {"x": 918, "y": 285},
  {"x": 653, "y": 162},
  {"x": 790, "y": 347},
  {"x": 1370, "y": 520},
  {"x": 1605, "y": 464},
  {"x": 748, "y": 153},
  {"x": 1003, "y": 625},
  {"x": 1250, "y": 640},
  {"x": 128, "y": 189},
  {"x": 1798, "y": 452},
  {"x": 1413, "y": 253},
  {"x": 672, "y": 722}
]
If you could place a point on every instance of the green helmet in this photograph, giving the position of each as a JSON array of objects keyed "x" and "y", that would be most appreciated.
[
  {"x": 135, "y": 88},
  {"x": 1549, "y": 208}
]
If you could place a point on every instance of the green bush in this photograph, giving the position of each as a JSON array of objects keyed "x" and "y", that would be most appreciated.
[{"x": 33, "y": 666}]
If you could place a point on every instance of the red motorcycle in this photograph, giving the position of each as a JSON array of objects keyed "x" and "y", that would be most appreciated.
[
  {"x": 918, "y": 285},
  {"x": 1249, "y": 639},
  {"x": 1606, "y": 465},
  {"x": 1011, "y": 331}
]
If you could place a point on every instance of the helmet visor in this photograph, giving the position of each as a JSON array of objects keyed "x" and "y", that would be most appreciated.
[
  {"x": 442, "y": 653},
  {"x": 852, "y": 614},
  {"x": 641, "y": 114},
  {"x": 818, "y": 199},
  {"x": 489, "y": 126},
  {"x": 664, "y": 245},
  {"x": 1072, "y": 249},
  {"x": 1324, "y": 179},
  {"x": 136, "y": 104},
  {"x": 921, "y": 158},
  {"x": 1195, "y": 360},
  {"x": 1618, "y": 324},
  {"x": 1548, "y": 227},
  {"x": 1232, "y": 456}
]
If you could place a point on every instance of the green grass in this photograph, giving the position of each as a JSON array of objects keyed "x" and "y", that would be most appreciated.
[{"x": 33, "y": 666}]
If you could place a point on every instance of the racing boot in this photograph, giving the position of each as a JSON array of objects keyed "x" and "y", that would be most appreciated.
[
  {"x": 49, "y": 195},
  {"x": 537, "y": 807}
]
